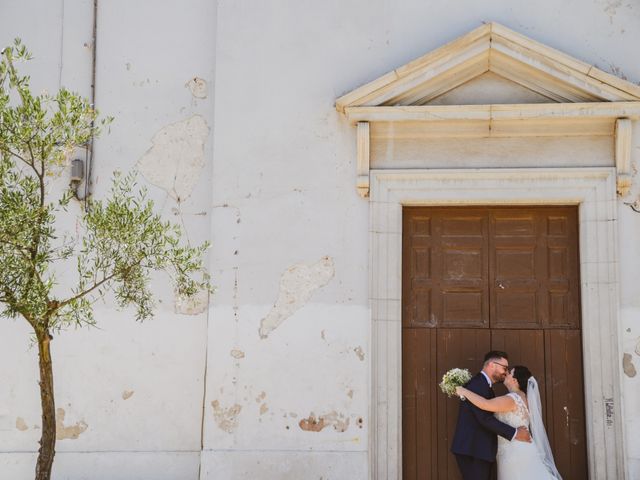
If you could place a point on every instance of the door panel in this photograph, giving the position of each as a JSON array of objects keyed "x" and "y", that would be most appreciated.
[
  {"x": 419, "y": 404},
  {"x": 462, "y": 240},
  {"x": 514, "y": 268},
  {"x": 417, "y": 267},
  {"x": 565, "y": 402},
  {"x": 561, "y": 284},
  {"x": 445, "y": 267},
  {"x": 533, "y": 267},
  {"x": 482, "y": 278}
]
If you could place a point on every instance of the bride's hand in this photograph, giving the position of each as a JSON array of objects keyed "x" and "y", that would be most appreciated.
[{"x": 460, "y": 391}]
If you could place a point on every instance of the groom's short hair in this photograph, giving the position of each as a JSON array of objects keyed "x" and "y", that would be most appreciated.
[{"x": 495, "y": 355}]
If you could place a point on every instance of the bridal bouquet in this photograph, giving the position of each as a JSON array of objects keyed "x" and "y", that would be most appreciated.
[{"x": 456, "y": 377}]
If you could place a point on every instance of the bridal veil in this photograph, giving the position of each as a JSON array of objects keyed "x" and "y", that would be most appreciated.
[{"x": 538, "y": 431}]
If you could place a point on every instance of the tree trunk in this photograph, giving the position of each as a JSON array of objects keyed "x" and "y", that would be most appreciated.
[{"x": 47, "y": 400}]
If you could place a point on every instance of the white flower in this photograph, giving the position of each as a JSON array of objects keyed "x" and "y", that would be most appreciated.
[{"x": 456, "y": 377}]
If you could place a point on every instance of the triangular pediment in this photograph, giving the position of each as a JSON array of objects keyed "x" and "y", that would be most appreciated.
[
  {"x": 492, "y": 54},
  {"x": 489, "y": 89}
]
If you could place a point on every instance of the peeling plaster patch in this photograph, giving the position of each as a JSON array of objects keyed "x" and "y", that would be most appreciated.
[
  {"x": 263, "y": 409},
  {"x": 261, "y": 397},
  {"x": 126, "y": 395},
  {"x": 238, "y": 354},
  {"x": 334, "y": 419},
  {"x": 176, "y": 158},
  {"x": 297, "y": 285},
  {"x": 71, "y": 432},
  {"x": 359, "y": 352},
  {"x": 21, "y": 424},
  {"x": 627, "y": 365},
  {"x": 193, "y": 305},
  {"x": 198, "y": 87},
  {"x": 312, "y": 424},
  {"x": 350, "y": 393},
  {"x": 226, "y": 418}
]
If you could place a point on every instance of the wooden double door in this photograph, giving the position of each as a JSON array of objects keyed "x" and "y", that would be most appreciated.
[{"x": 480, "y": 279}]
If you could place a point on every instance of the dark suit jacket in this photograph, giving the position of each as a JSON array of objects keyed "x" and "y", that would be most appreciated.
[{"x": 477, "y": 430}]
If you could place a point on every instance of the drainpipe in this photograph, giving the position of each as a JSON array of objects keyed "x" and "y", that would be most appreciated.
[{"x": 88, "y": 150}]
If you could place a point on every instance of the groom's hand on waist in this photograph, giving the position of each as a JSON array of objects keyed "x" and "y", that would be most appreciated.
[{"x": 523, "y": 435}]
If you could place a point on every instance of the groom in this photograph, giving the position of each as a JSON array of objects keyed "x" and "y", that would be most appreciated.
[{"x": 475, "y": 441}]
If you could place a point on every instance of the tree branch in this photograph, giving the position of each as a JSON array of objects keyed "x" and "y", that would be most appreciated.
[
  {"x": 35, "y": 246},
  {"x": 10, "y": 152},
  {"x": 96, "y": 285},
  {"x": 32, "y": 164},
  {"x": 25, "y": 253},
  {"x": 10, "y": 299},
  {"x": 86, "y": 292}
]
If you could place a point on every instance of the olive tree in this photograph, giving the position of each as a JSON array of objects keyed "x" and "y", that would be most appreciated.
[{"x": 122, "y": 240}]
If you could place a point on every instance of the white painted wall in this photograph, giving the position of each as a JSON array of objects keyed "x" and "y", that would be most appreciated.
[
  {"x": 138, "y": 387},
  {"x": 274, "y": 190}
]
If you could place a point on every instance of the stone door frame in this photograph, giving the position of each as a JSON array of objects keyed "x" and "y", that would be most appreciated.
[{"x": 594, "y": 191}]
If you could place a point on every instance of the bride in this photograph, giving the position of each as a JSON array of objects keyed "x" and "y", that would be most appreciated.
[{"x": 520, "y": 407}]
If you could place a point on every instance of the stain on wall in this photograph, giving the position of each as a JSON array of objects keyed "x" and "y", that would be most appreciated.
[
  {"x": 197, "y": 86},
  {"x": 226, "y": 418},
  {"x": 611, "y": 8},
  {"x": 21, "y": 424},
  {"x": 359, "y": 353},
  {"x": 126, "y": 395},
  {"x": 338, "y": 421},
  {"x": 627, "y": 365},
  {"x": 297, "y": 285},
  {"x": 237, "y": 354},
  {"x": 71, "y": 432},
  {"x": 176, "y": 158}
]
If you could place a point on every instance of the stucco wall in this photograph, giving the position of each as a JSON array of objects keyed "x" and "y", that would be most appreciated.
[
  {"x": 228, "y": 107},
  {"x": 133, "y": 391}
]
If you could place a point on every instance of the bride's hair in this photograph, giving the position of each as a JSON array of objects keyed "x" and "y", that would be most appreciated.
[{"x": 522, "y": 375}]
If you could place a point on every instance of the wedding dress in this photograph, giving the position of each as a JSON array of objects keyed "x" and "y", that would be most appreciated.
[{"x": 522, "y": 460}]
